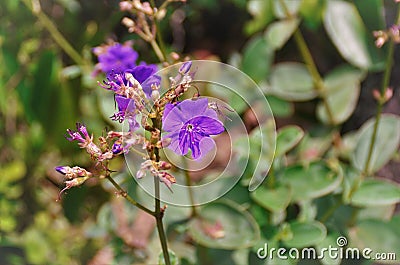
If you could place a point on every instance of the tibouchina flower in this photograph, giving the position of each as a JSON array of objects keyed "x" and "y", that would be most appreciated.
[
  {"x": 189, "y": 125},
  {"x": 115, "y": 57}
]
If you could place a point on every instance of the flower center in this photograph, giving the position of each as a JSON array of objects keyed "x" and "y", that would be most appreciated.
[{"x": 189, "y": 127}]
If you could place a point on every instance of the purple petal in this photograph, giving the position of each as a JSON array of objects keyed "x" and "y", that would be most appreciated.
[
  {"x": 133, "y": 124},
  {"x": 192, "y": 108},
  {"x": 62, "y": 169},
  {"x": 206, "y": 145},
  {"x": 124, "y": 104},
  {"x": 174, "y": 120},
  {"x": 142, "y": 72},
  {"x": 146, "y": 85},
  {"x": 167, "y": 109},
  {"x": 207, "y": 125},
  {"x": 185, "y": 68}
]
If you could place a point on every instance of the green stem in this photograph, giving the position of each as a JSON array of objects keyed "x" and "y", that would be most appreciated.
[
  {"x": 330, "y": 212},
  {"x": 384, "y": 88},
  {"x": 191, "y": 196},
  {"x": 158, "y": 212},
  {"x": 127, "y": 197},
  {"x": 54, "y": 32},
  {"x": 157, "y": 50},
  {"x": 312, "y": 68}
]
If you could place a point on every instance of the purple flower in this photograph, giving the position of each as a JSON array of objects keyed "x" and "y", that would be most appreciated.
[
  {"x": 128, "y": 91},
  {"x": 143, "y": 74},
  {"x": 190, "y": 124},
  {"x": 81, "y": 135},
  {"x": 115, "y": 57}
]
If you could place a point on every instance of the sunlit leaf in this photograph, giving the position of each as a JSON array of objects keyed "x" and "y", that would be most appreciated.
[
  {"x": 342, "y": 91},
  {"x": 329, "y": 241},
  {"x": 375, "y": 192},
  {"x": 273, "y": 199},
  {"x": 262, "y": 14},
  {"x": 292, "y": 7},
  {"x": 379, "y": 236},
  {"x": 305, "y": 234},
  {"x": 224, "y": 225},
  {"x": 312, "y": 181},
  {"x": 287, "y": 138},
  {"x": 257, "y": 58},
  {"x": 278, "y": 33},
  {"x": 292, "y": 81},
  {"x": 347, "y": 31},
  {"x": 386, "y": 143}
]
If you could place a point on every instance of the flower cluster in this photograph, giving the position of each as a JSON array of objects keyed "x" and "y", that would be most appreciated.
[
  {"x": 115, "y": 57},
  {"x": 133, "y": 89},
  {"x": 188, "y": 124},
  {"x": 382, "y": 36}
]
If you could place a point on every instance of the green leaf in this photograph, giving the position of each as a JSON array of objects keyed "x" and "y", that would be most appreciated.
[
  {"x": 257, "y": 58},
  {"x": 305, "y": 234},
  {"x": 352, "y": 177},
  {"x": 262, "y": 14},
  {"x": 278, "y": 33},
  {"x": 381, "y": 212},
  {"x": 313, "y": 181},
  {"x": 292, "y": 81},
  {"x": 379, "y": 236},
  {"x": 279, "y": 107},
  {"x": 262, "y": 149},
  {"x": 313, "y": 148},
  {"x": 329, "y": 241},
  {"x": 287, "y": 138},
  {"x": 342, "y": 91},
  {"x": 374, "y": 192},
  {"x": 274, "y": 199},
  {"x": 347, "y": 31},
  {"x": 386, "y": 143},
  {"x": 12, "y": 171},
  {"x": 372, "y": 12},
  {"x": 292, "y": 6},
  {"x": 172, "y": 257},
  {"x": 312, "y": 12},
  {"x": 224, "y": 225}
]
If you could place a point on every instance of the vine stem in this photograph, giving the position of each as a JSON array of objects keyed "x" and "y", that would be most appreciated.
[
  {"x": 127, "y": 197},
  {"x": 159, "y": 214},
  {"x": 46, "y": 22},
  {"x": 190, "y": 190},
  {"x": 312, "y": 68},
  {"x": 384, "y": 88}
]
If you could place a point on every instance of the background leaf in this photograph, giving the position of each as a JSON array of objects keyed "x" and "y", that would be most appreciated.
[
  {"x": 292, "y": 81},
  {"x": 239, "y": 228},
  {"x": 342, "y": 92},
  {"x": 387, "y": 142},
  {"x": 347, "y": 31},
  {"x": 374, "y": 192}
]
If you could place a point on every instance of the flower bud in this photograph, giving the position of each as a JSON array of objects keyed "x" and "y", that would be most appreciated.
[
  {"x": 161, "y": 14},
  {"x": 140, "y": 174},
  {"x": 163, "y": 165},
  {"x": 185, "y": 68},
  {"x": 125, "y": 6},
  {"x": 129, "y": 23},
  {"x": 155, "y": 95}
]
